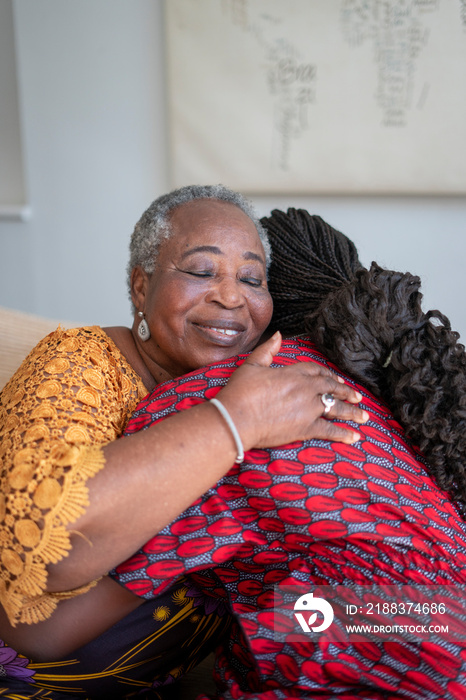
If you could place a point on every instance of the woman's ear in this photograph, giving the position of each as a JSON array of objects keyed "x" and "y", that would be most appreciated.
[{"x": 139, "y": 280}]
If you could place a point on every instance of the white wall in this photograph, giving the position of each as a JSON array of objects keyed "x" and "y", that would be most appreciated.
[{"x": 92, "y": 95}]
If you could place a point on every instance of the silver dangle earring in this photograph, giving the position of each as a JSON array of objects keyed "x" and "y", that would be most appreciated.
[{"x": 143, "y": 327}]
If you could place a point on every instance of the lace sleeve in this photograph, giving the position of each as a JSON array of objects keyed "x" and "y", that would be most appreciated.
[{"x": 72, "y": 394}]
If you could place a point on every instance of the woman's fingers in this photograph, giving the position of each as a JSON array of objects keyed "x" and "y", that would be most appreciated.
[
  {"x": 263, "y": 356},
  {"x": 326, "y": 430},
  {"x": 345, "y": 411},
  {"x": 330, "y": 402},
  {"x": 331, "y": 382}
]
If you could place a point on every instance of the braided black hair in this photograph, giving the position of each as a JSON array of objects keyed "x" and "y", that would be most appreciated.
[
  {"x": 370, "y": 323},
  {"x": 310, "y": 259}
]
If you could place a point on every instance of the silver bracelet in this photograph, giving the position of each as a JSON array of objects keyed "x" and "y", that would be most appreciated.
[{"x": 232, "y": 426}]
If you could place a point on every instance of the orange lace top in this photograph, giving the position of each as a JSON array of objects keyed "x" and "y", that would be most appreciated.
[{"x": 73, "y": 394}]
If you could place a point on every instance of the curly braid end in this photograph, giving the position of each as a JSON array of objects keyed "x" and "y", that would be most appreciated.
[{"x": 379, "y": 313}]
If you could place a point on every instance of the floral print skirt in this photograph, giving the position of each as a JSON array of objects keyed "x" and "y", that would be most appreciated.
[{"x": 143, "y": 654}]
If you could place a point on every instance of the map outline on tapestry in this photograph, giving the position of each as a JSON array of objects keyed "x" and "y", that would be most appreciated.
[{"x": 312, "y": 97}]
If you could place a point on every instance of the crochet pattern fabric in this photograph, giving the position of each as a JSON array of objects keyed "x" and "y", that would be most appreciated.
[{"x": 72, "y": 394}]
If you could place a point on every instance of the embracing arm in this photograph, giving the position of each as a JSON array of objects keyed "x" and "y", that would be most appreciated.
[{"x": 152, "y": 476}]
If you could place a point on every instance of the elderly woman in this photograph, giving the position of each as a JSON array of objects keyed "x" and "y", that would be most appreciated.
[
  {"x": 76, "y": 501},
  {"x": 377, "y": 522}
]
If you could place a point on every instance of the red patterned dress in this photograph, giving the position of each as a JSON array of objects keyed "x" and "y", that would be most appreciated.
[{"x": 313, "y": 514}]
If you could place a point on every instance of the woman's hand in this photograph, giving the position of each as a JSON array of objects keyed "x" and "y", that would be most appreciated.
[{"x": 273, "y": 406}]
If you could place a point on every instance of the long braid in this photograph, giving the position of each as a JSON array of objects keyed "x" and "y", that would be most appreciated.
[
  {"x": 309, "y": 260},
  {"x": 370, "y": 323}
]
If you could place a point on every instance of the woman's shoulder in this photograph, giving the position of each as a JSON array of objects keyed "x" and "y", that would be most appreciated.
[
  {"x": 70, "y": 339},
  {"x": 86, "y": 344},
  {"x": 73, "y": 337},
  {"x": 86, "y": 350},
  {"x": 66, "y": 342}
]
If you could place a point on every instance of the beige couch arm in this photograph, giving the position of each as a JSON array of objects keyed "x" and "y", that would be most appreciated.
[{"x": 19, "y": 333}]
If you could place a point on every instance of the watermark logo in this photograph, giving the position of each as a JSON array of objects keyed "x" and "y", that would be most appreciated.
[
  {"x": 405, "y": 613},
  {"x": 308, "y": 603}
]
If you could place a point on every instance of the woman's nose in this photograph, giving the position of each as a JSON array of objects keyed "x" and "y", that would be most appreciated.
[{"x": 226, "y": 291}]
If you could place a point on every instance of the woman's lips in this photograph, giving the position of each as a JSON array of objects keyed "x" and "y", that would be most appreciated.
[{"x": 220, "y": 333}]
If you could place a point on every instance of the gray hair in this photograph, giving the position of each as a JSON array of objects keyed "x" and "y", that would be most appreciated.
[{"x": 154, "y": 225}]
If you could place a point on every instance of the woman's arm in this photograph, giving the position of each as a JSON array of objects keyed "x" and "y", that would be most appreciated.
[{"x": 152, "y": 476}]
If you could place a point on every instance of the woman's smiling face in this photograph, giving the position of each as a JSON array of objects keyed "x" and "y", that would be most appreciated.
[{"x": 207, "y": 298}]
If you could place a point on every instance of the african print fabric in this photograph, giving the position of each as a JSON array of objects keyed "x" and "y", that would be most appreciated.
[
  {"x": 308, "y": 514},
  {"x": 141, "y": 656}
]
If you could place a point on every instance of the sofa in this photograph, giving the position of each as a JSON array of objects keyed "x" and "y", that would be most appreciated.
[{"x": 19, "y": 333}]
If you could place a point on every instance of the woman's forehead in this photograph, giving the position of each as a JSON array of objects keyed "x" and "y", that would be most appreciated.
[{"x": 213, "y": 222}]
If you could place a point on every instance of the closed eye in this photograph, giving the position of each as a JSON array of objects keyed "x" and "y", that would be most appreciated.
[
  {"x": 205, "y": 273},
  {"x": 252, "y": 281}
]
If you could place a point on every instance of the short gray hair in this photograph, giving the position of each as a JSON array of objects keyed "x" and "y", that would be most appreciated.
[{"x": 154, "y": 225}]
